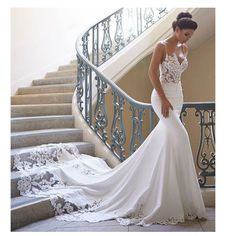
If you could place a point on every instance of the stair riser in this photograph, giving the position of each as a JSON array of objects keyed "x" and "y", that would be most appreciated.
[
  {"x": 41, "y": 99},
  {"x": 65, "y": 80},
  {"x": 44, "y": 138},
  {"x": 208, "y": 196},
  {"x": 43, "y": 110},
  {"x": 60, "y": 74},
  {"x": 31, "y": 213},
  {"x": 37, "y": 124},
  {"x": 44, "y": 89},
  {"x": 14, "y": 191}
]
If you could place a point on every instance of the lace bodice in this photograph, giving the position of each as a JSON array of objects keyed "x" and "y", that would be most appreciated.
[{"x": 171, "y": 69}]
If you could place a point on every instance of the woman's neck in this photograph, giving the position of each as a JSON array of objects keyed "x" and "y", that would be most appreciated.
[{"x": 173, "y": 40}]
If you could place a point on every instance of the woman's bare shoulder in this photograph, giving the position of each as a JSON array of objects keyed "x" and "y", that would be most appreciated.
[{"x": 159, "y": 46}]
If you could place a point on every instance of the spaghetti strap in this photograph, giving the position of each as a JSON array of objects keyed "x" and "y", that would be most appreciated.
[{"x": 165, "y": 46}]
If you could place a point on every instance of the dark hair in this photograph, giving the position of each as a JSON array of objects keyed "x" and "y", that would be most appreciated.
[{"x": 184, "y": 21}]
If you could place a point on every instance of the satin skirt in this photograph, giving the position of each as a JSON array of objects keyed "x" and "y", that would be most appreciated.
[{"x": 157, "y": 184}]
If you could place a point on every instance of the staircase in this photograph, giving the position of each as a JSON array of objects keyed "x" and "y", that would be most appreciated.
[{"x": 42, "y": 114}]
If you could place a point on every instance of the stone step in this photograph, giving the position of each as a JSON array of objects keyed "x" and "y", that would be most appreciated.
[
  {"x": 24, "y": 153},
  {"x": 41, "y": 122},
  {"x": 38, "y": 137},
  {"x": 15, "y": 177},
  {"x": 62, "y": 73},
  {"x": 58, "y": 88},
  {"x": 73, "y": 62},
  {"x": 52, "y": 98},
  {"x": 59, "y": 80},
  {"x": 68, "y": 67},
  {"x": 41, "y": 110},
  {"x": 26, "y": 210}
]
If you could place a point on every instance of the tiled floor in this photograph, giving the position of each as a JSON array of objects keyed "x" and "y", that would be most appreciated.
[{"x": 52, "y": 225}]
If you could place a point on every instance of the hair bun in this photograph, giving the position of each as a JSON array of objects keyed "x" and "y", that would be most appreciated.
[{"x": 184, "y": 15}]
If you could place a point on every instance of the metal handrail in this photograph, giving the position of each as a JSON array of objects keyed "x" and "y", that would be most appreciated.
[{"x": 88, "y": 73}]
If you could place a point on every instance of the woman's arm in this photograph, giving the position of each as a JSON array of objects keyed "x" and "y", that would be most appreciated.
[
  {"x": 153, "y": 71},
  {"x": 154, "y": 74}
]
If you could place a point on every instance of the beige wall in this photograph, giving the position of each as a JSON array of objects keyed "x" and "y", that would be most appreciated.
[
  {"x": 198, "y": 85},
  {"x": 199, "y": 79}
]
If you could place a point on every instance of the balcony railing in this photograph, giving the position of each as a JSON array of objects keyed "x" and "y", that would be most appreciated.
[{"x": 96, "y": 46}]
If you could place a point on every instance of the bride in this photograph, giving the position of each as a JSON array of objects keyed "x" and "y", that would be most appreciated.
[{"x": 157, "y": 184}]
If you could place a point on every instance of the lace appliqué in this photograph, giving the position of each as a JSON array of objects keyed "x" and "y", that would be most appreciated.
[
  {"x": 133, "y": 217},
  {"x": 171, "y": 69},
  {"x": 31, "y": 185},
  {"x": 62, "y": 206},
  {"x": 43, "y": 155},
  {"x": 37, "y": 177},
  {"x": 137, "y": 218},
  {"x": 84, "y": 171}
]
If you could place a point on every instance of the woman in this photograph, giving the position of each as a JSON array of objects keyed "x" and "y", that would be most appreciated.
[{"x": 156, "y": 184}]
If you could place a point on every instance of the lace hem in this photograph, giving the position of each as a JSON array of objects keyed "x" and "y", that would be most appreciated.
[
  {"x": 125, "y": 221},
  {"x": 68, "y": 201}
]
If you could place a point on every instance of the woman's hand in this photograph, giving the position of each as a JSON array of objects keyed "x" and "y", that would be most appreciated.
[{"x": 165, "y": 105}]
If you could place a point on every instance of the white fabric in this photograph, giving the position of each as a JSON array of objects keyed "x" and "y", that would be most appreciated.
[{"x": 156, "y": 184}]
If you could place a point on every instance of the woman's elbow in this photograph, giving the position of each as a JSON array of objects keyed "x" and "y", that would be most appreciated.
[{"x": 151, "y": 73}]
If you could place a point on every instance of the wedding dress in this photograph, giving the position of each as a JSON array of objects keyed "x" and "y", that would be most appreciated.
[{"x": 157, "y": 184}]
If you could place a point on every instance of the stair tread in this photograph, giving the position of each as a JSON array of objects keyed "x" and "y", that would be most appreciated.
[
  {"x": 64, "y": 67},
  {"x": 21, "y": 201},
  {"x": 68, "y": 70},
  {"x": 16, "y": 150},
  {"x": 41, "y": 131},
  {"x": 55, "y": 80},
  {"x": 41, "y": 117},
  {"x": 48, "y": 86},
  {"x": 38, "y": 105},
  {"x": 59, "y": 77},
  {"x": 42, "y": 94}
]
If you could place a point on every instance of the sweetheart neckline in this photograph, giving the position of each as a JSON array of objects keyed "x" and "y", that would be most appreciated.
[
  {"x": 185, "y": 58},
  {"x": 180, "y": 63}
]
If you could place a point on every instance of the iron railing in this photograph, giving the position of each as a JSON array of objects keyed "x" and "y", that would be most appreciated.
[{"x": 99, "y": 43}]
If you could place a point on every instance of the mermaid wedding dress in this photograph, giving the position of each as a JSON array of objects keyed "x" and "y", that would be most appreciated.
[{"x": 157, "y": 184}]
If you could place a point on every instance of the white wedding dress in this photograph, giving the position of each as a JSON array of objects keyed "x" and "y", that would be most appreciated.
[{"x": 157, "y": 184}]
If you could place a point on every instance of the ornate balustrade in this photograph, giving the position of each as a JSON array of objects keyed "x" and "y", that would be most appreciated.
[{"x": 115, "y": 111}]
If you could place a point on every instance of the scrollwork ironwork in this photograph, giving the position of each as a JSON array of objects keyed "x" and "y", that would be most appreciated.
[
  {"x": 118, "y": 130},
  {"x": 206, "y": 151},
  {"x": 100, "y": 114}
]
